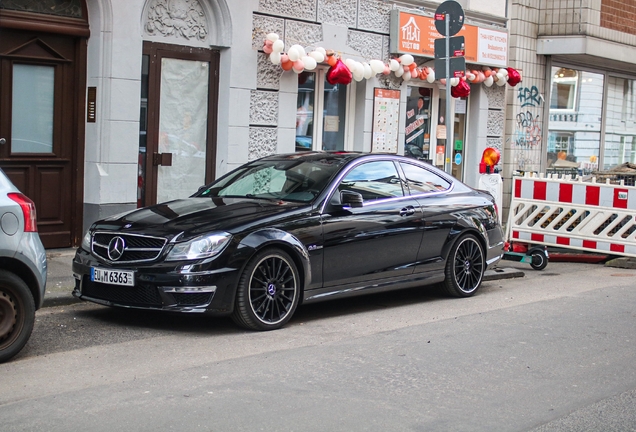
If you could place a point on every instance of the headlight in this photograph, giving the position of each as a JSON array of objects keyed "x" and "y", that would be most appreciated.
[
  {"x": 200, "y": 247},
  {"x": 86, "y": 241}
]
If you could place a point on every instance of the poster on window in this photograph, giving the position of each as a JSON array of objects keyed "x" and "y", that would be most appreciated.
[{"x": 386, "y": 113}]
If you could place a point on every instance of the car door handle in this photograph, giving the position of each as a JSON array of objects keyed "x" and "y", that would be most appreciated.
[{"x": 407, "y": 211}]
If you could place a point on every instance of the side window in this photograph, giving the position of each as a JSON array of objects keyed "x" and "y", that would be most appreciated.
[
  {"x": 420, "y": 180},
  {"x": 373, "y": 180}
]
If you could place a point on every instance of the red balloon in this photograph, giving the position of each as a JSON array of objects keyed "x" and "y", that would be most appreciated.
[
  {"x": 339, "y": 74},
  {"x": 460, "y": 90},
  {"x": 514, "y": 77}
]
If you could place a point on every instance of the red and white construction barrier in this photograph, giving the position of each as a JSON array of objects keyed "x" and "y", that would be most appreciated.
[{"x": 573, "y": 214}]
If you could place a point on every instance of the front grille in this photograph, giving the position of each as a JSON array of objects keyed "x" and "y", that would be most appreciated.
[
  {"x": 137, "y": 248},
  {"x": 194, "y": 299},
  {"x": 138, "y": 295}
]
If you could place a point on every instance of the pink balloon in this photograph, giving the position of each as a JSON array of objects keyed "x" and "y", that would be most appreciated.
[
  {"x": 267, "y": 49},
  {"x": 414, "y": 73},
  {"x": 386, "y": 70},
  {"x": 284, "y": 58},
  {"x": 299, "y": 65},
  {"x": 269, "y": 43}
]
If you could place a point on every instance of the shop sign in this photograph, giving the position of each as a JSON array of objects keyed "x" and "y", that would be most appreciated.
[{"x": 415, "y": 34}]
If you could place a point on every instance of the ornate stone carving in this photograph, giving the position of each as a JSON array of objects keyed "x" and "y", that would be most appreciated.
[
  {"x": 374, "y": 15},
  {"x": 262, "y": 26},
  {"x": 303, "y": 9},
  {"x": 262, "y": 142},
  {"x": 264, "y": 108},
  {"x": 369, "y": 45},
  {"x": 267, "y": 74},
  {"x": 496, "y": 96},
  {"x": 338, "y": 12},
  {"x": 177, "y": 18},
  {"x": 495, "y": 124},
  {"x": 302, "y": 33}
]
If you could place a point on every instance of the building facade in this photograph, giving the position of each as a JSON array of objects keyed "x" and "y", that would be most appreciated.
[
  {"x": 108, "y": 105},
  {"x": 575, "y": 111}
]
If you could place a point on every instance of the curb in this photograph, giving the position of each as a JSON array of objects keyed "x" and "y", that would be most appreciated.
[
  {"x": 503, "y": 273},
  {"x": 59, "y": 299}
]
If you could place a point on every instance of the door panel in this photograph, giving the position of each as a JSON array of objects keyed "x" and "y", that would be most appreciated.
[{"x": 41, "y": 93}]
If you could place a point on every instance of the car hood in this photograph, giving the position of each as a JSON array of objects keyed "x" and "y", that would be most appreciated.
[{"x": 194, "y": 216}]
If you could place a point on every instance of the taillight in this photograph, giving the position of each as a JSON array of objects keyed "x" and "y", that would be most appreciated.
[{"x": 28, "y": 210}]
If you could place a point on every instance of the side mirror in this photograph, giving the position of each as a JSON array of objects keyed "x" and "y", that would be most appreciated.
[{"x": 350, "y": 198}]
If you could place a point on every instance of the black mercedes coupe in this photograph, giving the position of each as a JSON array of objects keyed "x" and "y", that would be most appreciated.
[{"x": 291, "y": 229}]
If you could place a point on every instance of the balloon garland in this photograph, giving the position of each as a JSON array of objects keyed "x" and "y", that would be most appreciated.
[{"x": 297, "y": 59}]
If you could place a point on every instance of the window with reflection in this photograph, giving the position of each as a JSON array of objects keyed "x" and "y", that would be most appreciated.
[
  {"x": 321, "y": 110},
  {"x": 420, "y": 180},
  {"x": 574, "y": 127},
  {"x": 374, "y": 181},
  {"x": 620, "y": 122}
]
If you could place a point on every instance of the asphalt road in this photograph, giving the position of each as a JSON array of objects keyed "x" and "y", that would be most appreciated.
[{"x": 553, "y": 351}]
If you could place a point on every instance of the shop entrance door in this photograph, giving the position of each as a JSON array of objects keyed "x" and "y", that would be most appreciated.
[
  {"x": 42, "y": 87},
  {"x": 177, "y": 140}
]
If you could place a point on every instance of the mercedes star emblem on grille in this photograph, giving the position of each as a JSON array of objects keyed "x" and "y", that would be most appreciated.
[{"x": 116, "y": 248}]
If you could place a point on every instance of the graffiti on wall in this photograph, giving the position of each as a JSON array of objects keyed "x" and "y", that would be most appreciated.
[{"x": 525, "y": 141}]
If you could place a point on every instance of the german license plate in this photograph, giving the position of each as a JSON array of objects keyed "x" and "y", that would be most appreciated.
[{"x": 113, "y": 277}]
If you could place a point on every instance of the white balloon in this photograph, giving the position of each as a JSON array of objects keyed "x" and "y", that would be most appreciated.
[
  {"x": 278, "y": 46},
  {"x": 300, "y": 49},
  {"x": 394, "y": 65},
  {"x": 322, "y": 51},
  {"x": 407, "y": 75},
  {"x": 360, "y": 69},
  {"x": 503, "y": 71},
  {"x": 368, "y": 73},
  {"x": 275, "y": 58},
  {"x": 488, "y": 81},
  {"x": 399, "y": 72},
  {"x": 272, "y": 37},
  {"x": 501, "y": 81},
  {"x": 377, "y": 66},
  {"x": 431, "y": 76},
  {"x": 317, "y": 55},
  {"x": 454, "y": 81},
  {"x": 350, "y": 64},
  {"x": 406, "y": 59},
  {"x": 293, "y": 53},
  {"x": 358, "y": 76},
  {"x": 310, "y": 62}
]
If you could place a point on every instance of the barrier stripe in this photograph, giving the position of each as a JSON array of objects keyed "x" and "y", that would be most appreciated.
[{"x": 580, "y": 215}]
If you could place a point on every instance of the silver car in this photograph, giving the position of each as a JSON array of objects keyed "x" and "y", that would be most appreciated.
[{"x": 22, "y": 268}]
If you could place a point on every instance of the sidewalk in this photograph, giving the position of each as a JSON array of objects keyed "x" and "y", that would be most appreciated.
[{"x": 60, "y": 281}]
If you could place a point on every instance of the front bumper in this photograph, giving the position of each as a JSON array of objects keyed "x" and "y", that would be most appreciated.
[{"x": 159, "y": 287}]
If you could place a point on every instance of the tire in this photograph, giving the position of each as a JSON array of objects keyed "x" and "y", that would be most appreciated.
[
  {"x": 268, "y": 291},
  {"x": 17, "y": 314},
  {"x": 465, "y": 267},
  {"x": 539, "y": 260}
]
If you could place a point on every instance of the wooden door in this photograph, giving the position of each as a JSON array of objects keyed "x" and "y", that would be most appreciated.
[{"x": 42, "y": 86}]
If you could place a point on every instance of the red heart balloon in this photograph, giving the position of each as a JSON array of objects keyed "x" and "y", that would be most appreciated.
[
  {"x": 460, "y": 90},
  {"x": 514, "y": 77},
  {"x": 339, "y": 74}
]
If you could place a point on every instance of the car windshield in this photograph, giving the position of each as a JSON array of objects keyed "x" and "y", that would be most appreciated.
[{"x": 288, "y": 180}]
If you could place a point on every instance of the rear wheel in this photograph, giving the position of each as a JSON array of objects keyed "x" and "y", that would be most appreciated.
[
  {"x": 539, "y": 259},
  {"x": 268, "y": 291},
  {"x": 17, "y": 314},
  {"x": 465, "y": 267}
]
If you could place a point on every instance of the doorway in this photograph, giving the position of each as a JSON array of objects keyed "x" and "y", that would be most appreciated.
[
  {"x": 42, "y": 88},
  {"x": 177, "y": 135}
]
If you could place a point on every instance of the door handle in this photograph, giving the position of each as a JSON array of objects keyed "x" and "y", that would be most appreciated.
[
  {"x": 407, "y": 211},
  {"x": 164, "y": 159},
  {"x": 3, "y": 141}
]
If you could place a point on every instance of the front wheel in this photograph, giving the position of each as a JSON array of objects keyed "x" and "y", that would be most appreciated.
[
  {"x": 465, "y": 267},
  {"x": 268, "y": 291},
  {"x": 17, "y": 314}
]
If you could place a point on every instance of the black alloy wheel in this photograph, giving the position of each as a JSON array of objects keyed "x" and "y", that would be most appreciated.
[
  {"x": 17, "y": 314},
  {"x": 268, "y": 291},
  {"x": 465, "y": 267},
  {"x": 539, "y": 259}
]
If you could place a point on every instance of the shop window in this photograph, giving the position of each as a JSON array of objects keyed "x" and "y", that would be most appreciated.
[
  {"x": 418, "y": 122},
  {"x": 620, "y": 122},
  {"x": 574, "y": 139},
  {"x": 564, "y": 88},
  {"x": 321, "y": 112}
]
